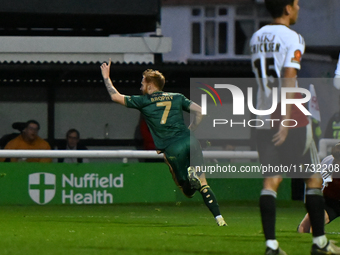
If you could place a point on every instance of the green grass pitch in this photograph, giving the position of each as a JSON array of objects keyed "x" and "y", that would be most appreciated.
[{"x": 150, "y": 229}]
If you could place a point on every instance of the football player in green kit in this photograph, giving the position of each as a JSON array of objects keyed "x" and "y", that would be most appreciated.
[{"x": 163, "y": 113}]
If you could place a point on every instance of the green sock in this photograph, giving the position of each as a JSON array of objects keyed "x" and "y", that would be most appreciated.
[{"x": 210, "y": 200}]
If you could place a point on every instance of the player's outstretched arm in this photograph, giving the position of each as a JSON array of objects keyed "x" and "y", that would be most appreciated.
[
  {"x": 197, "y": 111},
  {"x": 115, "y": 95}
]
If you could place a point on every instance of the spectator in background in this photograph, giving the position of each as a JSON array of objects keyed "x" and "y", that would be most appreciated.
[
  {"x": 148, "y": 143},
  {"x": 28, "y": 140},
  {"x": 72, "y": 143}
]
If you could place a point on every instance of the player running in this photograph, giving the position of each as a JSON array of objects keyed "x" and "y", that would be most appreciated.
[
  {"x": 163, "y": 113},
  {"x": 276, "y": 52}
]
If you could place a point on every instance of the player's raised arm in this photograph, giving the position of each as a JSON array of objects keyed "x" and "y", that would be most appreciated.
[
  {"x": 115, "y": 95},
  {"x": 197, "y": 111}
]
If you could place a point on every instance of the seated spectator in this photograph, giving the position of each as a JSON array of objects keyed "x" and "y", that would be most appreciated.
[
  {"x": 28, "y": 140},
  {"x": 148, "y": 143},
  {"x": 72, "y": 143}
]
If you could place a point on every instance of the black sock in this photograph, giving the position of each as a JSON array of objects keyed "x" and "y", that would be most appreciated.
[
  {"x": 268, "y": 213},
  {"x": 315, "y": 205},
  {"x": 187, "y": 190},
  {"x": 210, "y": 200}
]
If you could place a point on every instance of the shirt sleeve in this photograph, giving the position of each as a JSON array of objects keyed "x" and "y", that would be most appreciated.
[
  {"x": 295, "y": 51},
  {"x": 134, "y": 102},
  {"x": 186, "y": 103}
]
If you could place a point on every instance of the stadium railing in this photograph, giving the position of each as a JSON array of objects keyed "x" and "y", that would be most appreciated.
[
  {"x": 115, "y": 154},
  {"x": 324, "y": 145}
]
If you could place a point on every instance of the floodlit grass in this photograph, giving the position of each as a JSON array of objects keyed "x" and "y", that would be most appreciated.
[{"x": 148, "y": 229}]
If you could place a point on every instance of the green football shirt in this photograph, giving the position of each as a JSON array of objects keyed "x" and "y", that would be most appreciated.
[{"x": 163, "y": 113}]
